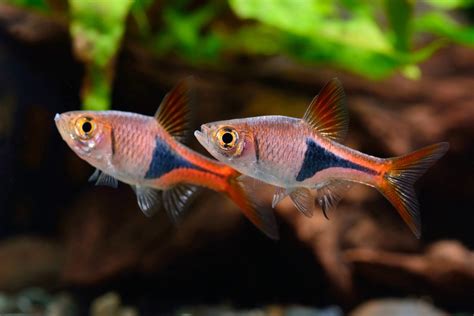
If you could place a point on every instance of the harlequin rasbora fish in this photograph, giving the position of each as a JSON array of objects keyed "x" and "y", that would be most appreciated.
[
  {"x": 297, "y": 155},
  {"x": 146, "y": 153}
]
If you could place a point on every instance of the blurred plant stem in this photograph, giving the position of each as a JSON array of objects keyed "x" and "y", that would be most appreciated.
[{"x": 97, "y": 28}]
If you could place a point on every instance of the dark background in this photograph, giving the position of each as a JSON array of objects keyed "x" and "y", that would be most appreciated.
[{"x": 61, "y": 234}]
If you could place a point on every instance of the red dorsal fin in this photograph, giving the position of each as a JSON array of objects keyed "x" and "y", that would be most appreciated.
[
  {"x": 174, "y": 113},
  {"x": 327, "y": 113}
]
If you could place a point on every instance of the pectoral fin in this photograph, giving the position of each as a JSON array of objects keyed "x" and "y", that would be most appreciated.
[
  {"x": 177, "y": 199},
  {"x": 148, "y": 199},
  {"x": 330, "y": 194},
  {"x": 101, "y": 178},
  {"x": 303, "y": 201},
  {"x": 280, "y": 194}
]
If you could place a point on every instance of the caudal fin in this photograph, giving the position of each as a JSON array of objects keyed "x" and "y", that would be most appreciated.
[
  {"x": 398, "y": 181},
  {"x": 264, "y": 219}
]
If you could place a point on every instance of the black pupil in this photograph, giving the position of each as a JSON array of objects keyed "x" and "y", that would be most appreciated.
[
  {"x": 86, "y": 127},
  {"x": 227, "y": 138}
]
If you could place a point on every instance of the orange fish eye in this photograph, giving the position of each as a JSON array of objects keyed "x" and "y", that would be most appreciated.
[
  {"x": 227, "y": 137},
  {"x": 85, "y": 127}
]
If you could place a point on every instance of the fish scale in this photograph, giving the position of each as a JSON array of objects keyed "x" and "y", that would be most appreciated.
[
  {"x": 284, "y": 158},
  {"x": 133, "y": 149}
]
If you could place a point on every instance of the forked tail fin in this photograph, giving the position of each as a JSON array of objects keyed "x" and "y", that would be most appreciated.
[
  {"x": 398, "y": 181},
  {"x": 264, "y": 219}
]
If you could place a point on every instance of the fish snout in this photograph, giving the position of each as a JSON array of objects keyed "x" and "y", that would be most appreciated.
[
  {"x": 58, "y": 120},
  {"x": 205, "y": 129},
  {"x": 62, "y": 122},
  {"x": 202, "y": 134}
]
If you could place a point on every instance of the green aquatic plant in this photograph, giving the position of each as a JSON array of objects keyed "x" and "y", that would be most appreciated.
[
  {"x": 186, "y": 32},
  {"x": 371, "y": 38},
  {"x": 97, "y": 28},
  {"x": 40, "y": 5},
  {"x": 374, "y": 39},
  {"x": 350, "y": 34}
]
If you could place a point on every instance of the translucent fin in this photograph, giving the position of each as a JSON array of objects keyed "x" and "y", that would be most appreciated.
[
  {"x": 400, "y": 177},
  {"x": 261, "y": 217},
  {"x": 303, "y": 201},
  {"x": 148, "y": 199},
  {"x": 280, "y": 194},
  {"x": 94, "y": 176},
  {"x": 174, "y": 113},
  {"x": 101, "y": 178},
  {"x": 327, "y": 113},
  {"x": 331, "y": 194},
  {"x": 177, "y": 199}
]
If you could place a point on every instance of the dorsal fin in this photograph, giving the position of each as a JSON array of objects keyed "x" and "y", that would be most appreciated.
[
  {"x": 174, "y": 113},
  {"x": 327, "y": 113}
]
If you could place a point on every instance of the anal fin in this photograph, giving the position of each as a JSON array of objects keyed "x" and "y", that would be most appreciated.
[
  {"x": 177, "y": 199},
  {"x": 148, "y": 199},
  {"x": 303, "y": 201},
  {"x": 331, "y": 194}
]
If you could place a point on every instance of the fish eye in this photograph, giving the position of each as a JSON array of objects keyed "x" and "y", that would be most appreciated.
[
  {"x": 227, "y": 137},
  {"x": 85, "y": 127}
]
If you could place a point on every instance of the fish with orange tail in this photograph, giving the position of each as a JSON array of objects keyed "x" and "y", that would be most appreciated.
[
  {"x": 146, "y": 152},
  {"x": 299, "y": 155}
]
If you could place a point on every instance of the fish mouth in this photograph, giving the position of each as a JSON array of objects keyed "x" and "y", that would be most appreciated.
[
  {"x": 61, "y": 121},
  {"x": 202, "y": 135}
]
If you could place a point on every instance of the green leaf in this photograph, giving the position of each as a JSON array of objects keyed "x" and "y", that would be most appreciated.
[
  {"x": 97, "y": 96},
  {"x": 344, "y": 34},
  {"x": 411, "y": 72},
  {"x": 316, "y": 20},
  {"x": 97, "y": 28},
  {"x": 40, "y": 5},
  {"x": 450, "y": 4},
  {"x": 183, "y": 32},
  {"x": 399, "y": 15},
  {"x": 356, "y": 43},
  {"x": 100, "y": 26},
  {"x": 441, "y": 24}
]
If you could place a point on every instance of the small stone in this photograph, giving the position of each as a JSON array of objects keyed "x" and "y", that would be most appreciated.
[
  {"x": 106, "y": 305},
  {"x": 397, "y": 307}
]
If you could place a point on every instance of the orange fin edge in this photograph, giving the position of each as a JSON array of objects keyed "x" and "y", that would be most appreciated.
[
  {"x": 398, "y": 182},
  {"x": 264, "y": 219}
]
